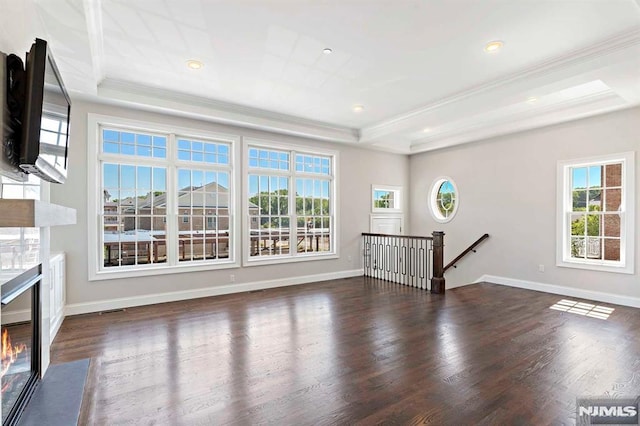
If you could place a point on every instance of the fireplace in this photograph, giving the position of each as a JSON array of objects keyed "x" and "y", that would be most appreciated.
[{"x": 20, "y": 343}]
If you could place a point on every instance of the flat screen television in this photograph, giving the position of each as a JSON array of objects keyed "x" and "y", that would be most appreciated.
[{"x": 45, "y": 120}]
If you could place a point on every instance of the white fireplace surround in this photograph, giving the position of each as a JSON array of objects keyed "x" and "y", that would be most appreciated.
[{"x": 42, "y": 215}]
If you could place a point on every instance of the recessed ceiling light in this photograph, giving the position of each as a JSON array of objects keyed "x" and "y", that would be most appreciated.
[
  {"x": 493, "y": 46},
  {"x": 532, "y": 100},
  {"x": 426, "y": 129},
  {"x": 194, "y": 64},
  {"x": 358, "y": 108},
  {"x": 327, "y": 51}
]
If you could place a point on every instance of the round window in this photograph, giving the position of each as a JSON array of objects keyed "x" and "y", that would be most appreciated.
[{"x": 443, "y": 199}]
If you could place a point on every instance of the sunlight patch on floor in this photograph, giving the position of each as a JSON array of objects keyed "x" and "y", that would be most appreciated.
[{"x": 582, "y": 308}]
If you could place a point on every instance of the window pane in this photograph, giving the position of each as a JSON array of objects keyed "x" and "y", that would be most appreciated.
[
  {"x": 446, "y": 199},
  {"x": 128, "y": 149},
  {"x": 111, "y": 135},
  {"x": 593, "y": 225},
  {"x": 579, "y": 178},
  {"x": 611, "y": 249},
  {"x": 266, "y": 159},
  {"x": 129, "y": 138},
  {"x": 143, "y": 140},
  {"x": 204, "y": 215},
  {"x": 130, "y": 220},
  {"x": 111, "y": 176},
  {"x": 578, "y": 247},
  {"x": 578, "y": 222},
  {"x": 611, "y": 225},
  {"x": 159, "y": 141},
  {"x": 313, "y": 164},
  {"x": 579, "y": 200},
  {"x": 143, "y": 151},
  {"x": 595, "y": 200},
  {"x": 203, "y": 151},
  {"x": 111, "y": 148},
  {"x": 595, "y": 176},
  {"x": 133, "y": 144},
  {"x": 144, "y": 178},
  {"x": 383, "y": 199},
  {"x": 594, "y": 248},
  {"x": 159, "y": 238},
  {"x": 313, "y": 230},
  {"x": 613, "y": 175},
  {"x": 268, "y": 202},
  {"x": 613, "y": 199}
]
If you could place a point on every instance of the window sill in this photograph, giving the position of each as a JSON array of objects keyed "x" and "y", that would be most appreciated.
[
  {"x": 389, "y": 211},
  {"x": 275, "y": 260},
  {"x": 596, "y": 266},
  {"x": 159, "y": 270}
]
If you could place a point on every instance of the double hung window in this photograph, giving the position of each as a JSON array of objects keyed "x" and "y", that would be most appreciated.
[
  {"x": 595, "y": 213},
  {"x": 163, "y": 199},
  {"x": 290, "y": 203}
]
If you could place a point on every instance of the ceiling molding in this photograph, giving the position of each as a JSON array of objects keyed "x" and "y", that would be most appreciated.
[
  {"x": 512, "y": 115},
  {"x": 173, "y": 103},
  {"x": 93, "y": 15},
  {"x": 577, "y": 108},
  {"x": 598, "y": 51}
]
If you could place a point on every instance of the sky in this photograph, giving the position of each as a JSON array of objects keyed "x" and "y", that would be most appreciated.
[{"x": 122, "y": 181}]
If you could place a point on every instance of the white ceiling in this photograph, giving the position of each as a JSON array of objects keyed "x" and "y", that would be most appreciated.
[{"x": 411, "y": 64}]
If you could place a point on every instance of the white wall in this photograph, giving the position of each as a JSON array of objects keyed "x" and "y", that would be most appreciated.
[
  {"x": 507, "y": 188},
  {"x": 358, "y": 170}
]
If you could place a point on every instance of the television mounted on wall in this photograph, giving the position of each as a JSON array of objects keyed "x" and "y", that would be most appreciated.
[{"x": 45, "y": 119}]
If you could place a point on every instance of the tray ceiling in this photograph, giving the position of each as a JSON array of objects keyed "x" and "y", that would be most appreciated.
[{"x": 418, "y": 68}]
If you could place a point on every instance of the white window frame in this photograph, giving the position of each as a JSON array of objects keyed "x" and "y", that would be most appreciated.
[
  {"x": 627, "y": 215},
  {"x": 97, "y": 271},
  {"x": 433, "y": 200},
  {"x": 397, "y": 199},
  {"x": 247, "y": 259}
]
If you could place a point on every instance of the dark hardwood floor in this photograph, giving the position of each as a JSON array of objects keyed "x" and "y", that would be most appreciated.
[{"x": 351, "y": 351}]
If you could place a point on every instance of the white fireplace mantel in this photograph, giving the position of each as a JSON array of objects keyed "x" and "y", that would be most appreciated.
[{"x": 34, "y": 214}]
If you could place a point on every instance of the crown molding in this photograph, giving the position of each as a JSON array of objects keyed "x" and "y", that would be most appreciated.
[
  {"x": 570, "y": 110},
  {"x": 173, "y": 103},
  {"x": 513, "y": 114},
  {"x": 598, "y": 51},
  {"x": 93, "y": 13}
]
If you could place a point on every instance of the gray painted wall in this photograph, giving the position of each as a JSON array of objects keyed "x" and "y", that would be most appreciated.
[
  {"x": 507, "y": 188},
  {"x": 358, "y": 170}
]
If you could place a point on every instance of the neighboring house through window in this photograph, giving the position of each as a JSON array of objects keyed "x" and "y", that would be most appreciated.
[{"x": 166, "y": 199}]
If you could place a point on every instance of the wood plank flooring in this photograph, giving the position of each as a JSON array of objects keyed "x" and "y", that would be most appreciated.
[{"x": 351, "y": 351}]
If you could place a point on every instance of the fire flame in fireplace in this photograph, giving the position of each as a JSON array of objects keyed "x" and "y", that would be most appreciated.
[{"x": 9, "y": 352}]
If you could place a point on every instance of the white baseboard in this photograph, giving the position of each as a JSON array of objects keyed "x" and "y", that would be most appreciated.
[
  {"x": 450, "y": 286},
  {"x": 55, "y": 327},
  {"x": 174, "y": 296},
  {"x": 599, "y": 296}
]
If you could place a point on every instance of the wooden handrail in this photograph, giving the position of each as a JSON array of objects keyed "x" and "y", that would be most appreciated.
[
  {"x": 466, "y": 251},
  {"x": 369, "y": 234}
]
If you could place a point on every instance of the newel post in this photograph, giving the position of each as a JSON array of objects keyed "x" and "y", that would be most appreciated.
[{"x": 437, "y": 282}]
